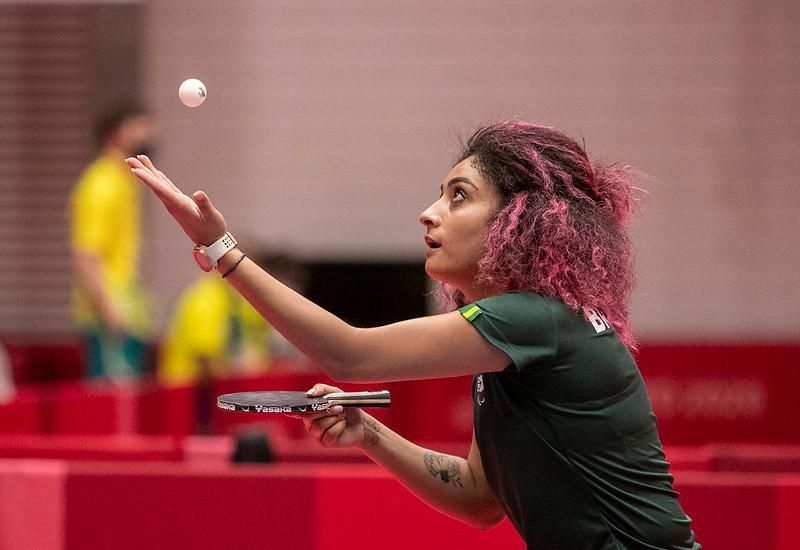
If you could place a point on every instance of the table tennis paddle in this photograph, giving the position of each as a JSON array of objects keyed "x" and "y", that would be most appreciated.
[{"x": 299, "y": 402}]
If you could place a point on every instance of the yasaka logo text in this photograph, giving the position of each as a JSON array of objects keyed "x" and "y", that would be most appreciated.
[{"x": 273, "y": 409}]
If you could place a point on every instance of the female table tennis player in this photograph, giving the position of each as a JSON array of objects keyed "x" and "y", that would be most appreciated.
[{"x": 527, "y": 238}]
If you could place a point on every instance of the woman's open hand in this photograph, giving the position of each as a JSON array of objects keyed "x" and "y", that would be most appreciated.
[{"x": 196, "y": 215}]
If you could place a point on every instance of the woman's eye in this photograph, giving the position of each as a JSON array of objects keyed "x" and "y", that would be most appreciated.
[{"x": 459, "y": 195}]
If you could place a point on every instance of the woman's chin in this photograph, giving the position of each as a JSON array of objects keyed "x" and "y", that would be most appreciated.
[
  {"x": 438, "y": 275},
  {"x": 432, "y": 272}
]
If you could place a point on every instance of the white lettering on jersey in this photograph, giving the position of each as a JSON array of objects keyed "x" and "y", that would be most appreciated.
[
  {"x": 597, "y": 319},
  {"x": 480, "y": 398}
]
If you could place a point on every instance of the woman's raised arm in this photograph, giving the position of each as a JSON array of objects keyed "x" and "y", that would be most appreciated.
[{"x": 429, "y": 347}]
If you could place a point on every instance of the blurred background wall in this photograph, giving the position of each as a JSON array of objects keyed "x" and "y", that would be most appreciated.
[
  {"x": 329, "y": 127},
  {"x": 61, "y": 66}
]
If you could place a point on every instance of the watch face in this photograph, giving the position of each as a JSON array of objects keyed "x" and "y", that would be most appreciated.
[{"x": 202, "y": 259}]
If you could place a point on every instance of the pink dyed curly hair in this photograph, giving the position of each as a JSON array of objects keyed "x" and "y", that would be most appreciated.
[{"x": 560, "y": 229}]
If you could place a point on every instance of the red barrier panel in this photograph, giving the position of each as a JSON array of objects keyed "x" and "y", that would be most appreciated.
[
  {"x": 755, "y": 458},
  {"x": 433, "y": 410},
  {"x": 166, "y": 506},
  {"x": 25, "y": 414},
  {"x": 787, "y": 511},
  {"x": 32, "y": 504},
  {"x": 730, "y": 510},
  {"x": 119, "y": 447},
  {"x": 91, "y": 408},
  {"x": 168, "y": 411},
  {"x": 201, "y": 450},
  {"x": 701, "y": 394},
  {"x": 712, "y": 393},
  {"x": 686, "y": 457},
  {"x": 51, "y": 505},
  {"x": 360, "y": 508}
]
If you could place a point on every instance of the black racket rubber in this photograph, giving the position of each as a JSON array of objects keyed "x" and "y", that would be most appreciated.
[{"x": 299, "y": 402}]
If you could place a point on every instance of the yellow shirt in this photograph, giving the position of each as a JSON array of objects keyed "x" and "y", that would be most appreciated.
[
  {"x": 212, "y": 321},
  {"x": 105, "y": 210}
]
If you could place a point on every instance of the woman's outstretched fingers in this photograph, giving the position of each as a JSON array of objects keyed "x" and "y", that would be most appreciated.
[
  {"x": 156, "y": 184},
  {"x": 145, "y": 160}
]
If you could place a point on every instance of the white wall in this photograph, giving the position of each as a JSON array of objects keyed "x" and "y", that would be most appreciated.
[{"x": 329, "y": 126}]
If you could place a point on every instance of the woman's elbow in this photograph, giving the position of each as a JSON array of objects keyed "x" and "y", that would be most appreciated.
[
  {"x": 487, "y": 517},
  {"x": 487, "y": 523},
  {"x": 350, "y": 362},
  {"x": 349, "y": 371}
]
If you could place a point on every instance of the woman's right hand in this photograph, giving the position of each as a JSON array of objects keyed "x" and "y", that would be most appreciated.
[
  {"x": 336, "y": 427},
  {"x": 198, "y": 218}
]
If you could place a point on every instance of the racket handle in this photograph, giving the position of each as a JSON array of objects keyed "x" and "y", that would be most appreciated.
[{"x": 360, "y": 398}]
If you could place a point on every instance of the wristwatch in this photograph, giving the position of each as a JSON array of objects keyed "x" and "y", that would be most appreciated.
[{"x": 207, "y": 257}]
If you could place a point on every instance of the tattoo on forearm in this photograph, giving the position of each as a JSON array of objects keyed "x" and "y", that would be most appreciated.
[
  {"x": 371, "y": 429},
  {"x": 445, "y": 467}
]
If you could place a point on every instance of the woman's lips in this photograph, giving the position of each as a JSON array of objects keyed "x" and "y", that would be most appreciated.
[{"x": 431, "y": 243}]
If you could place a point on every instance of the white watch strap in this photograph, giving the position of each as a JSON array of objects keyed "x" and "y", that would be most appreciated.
[{"x": 220, "y": 247}]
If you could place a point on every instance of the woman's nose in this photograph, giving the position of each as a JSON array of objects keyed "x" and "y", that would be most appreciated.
[{"x": 429, "y": 217}]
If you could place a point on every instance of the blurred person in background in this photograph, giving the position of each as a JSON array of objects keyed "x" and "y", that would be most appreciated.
[
  {"x": 215, "y": 333},
  {"x": 528, "y": 239},
  {"x": 109, "y": 306}
]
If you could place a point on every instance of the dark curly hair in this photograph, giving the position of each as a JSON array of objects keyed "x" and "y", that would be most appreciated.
[{"x": 560, "y": 228}]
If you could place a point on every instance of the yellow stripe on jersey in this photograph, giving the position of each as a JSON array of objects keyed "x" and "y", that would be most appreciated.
[{"x": 470, "y": 312}]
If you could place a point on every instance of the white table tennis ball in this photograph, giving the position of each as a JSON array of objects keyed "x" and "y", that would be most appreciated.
[{"x": 192, "y": 92}]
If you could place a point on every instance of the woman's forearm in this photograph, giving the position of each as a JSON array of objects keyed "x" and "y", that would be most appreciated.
[
  {"x": 450, "y": 484},
  {"x": 323, "y": 337}
]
